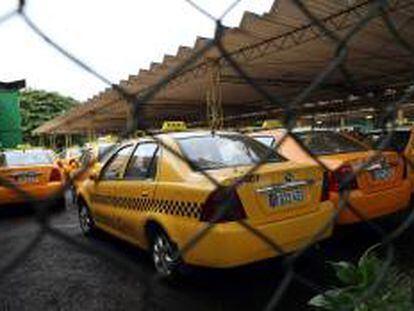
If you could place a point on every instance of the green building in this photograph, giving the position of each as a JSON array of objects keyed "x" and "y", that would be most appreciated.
[{"x": 10, "y": 119}]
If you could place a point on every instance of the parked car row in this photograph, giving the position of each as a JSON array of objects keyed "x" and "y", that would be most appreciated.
[{"x": 161, "y": 192}]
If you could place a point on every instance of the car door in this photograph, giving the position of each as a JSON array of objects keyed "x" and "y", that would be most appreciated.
[
  {"x": 106, "y": 195},
  {"x": 137, "y": 188}
]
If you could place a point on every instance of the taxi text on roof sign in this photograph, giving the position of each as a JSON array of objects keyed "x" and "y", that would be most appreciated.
[
  {"x": 271, "y": 124},
  {"x": 170, "y": 126}
]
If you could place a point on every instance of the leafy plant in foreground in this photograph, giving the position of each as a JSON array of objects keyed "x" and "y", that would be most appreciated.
[{"x": 364, "y": 289}]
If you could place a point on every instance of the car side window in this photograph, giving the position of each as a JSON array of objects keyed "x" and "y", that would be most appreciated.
[
  {"x": 114, "y": 169},
  {"x": 143, "y": 163}
]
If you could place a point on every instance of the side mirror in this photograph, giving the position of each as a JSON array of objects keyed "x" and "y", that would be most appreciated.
[
  {"x": 60, "y": 163},
  {"x": 93, "y": 176},
  {"x": 73, "y": 163}
]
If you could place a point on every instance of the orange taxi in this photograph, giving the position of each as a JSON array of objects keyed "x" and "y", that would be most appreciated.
[
  {"x": 380, "y": 187},
  {"x": 32, "y": 171}
]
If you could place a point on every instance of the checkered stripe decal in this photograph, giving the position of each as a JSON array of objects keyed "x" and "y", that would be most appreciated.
[{"x": 171, "y": 207}]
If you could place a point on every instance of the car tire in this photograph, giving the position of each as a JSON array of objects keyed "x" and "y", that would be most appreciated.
[
  {"x": 164, "y": 255},
  {"x": 86, "y": 221}
]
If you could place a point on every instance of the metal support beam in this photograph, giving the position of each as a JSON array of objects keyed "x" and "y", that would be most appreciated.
[{"x": 215, "y": 115}]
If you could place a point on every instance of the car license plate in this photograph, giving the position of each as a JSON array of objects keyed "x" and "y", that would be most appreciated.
[
  {"x": 381, "y": 174},
  {"x": 281, "y": 198},
  {"x": 27, "y": 179}
]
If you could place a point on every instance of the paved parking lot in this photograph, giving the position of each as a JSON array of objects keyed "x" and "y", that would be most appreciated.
[{"x": 60, "y": 276}]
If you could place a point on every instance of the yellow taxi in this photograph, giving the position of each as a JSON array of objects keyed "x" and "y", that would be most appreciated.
[
  {"x": 34, "y": 172},
  {"x": 158, "y": 197},
  {"x": 69, "y": 159},
  {"x": 91, "y": 159},
  {"x": 401, "y": 140},
  {"x": 379, "y": 189}
]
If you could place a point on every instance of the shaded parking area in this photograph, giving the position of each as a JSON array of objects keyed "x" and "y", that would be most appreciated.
[{"x": 338, "y": 65}]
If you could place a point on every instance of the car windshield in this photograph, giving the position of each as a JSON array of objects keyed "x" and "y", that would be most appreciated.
[
  {"x": 398, "y": 140},
  {"x": 225, "y": 150},
  {"x": 29, "y": 157},
  {"x": 327, "y": 142}
]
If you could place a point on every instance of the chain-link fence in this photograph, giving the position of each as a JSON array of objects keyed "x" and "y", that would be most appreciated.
[{"x": 374, "y": 10}]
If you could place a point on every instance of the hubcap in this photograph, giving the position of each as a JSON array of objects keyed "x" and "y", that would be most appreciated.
[
  {"x": 84, "y": 219},
  {"x": 162, "y": 256}
]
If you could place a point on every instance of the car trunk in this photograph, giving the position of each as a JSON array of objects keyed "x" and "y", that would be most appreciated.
[
  {"x": 381, "y": 174},
  {"x": 275, "y": 191},
  {"x": 33, "y": 175}
]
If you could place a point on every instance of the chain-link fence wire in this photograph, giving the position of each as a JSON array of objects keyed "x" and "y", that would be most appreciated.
[{"x": 375, "y": 9}]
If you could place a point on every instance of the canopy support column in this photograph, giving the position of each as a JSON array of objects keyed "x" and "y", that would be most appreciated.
[{"x": 215, "y": 114}]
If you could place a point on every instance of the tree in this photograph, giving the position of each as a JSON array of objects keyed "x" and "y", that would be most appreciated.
[{"x": 38, "y": 107}]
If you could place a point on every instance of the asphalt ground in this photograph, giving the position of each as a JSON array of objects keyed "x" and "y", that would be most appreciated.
[{"x": 58, "y": 275}]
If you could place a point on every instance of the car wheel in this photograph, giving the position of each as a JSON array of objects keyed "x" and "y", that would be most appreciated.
[
  {"x": 165, "y": 256},
  {"x": 86, "y": 222}
]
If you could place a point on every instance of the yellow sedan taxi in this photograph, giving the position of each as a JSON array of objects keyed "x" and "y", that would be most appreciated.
[
  {"x": 379, "y": 189},
  {"x": 148, "y": 196},
  {"x": 34, "y": 172}
]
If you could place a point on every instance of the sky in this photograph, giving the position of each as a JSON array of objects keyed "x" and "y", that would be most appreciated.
[{"x": 115, "y": 37}]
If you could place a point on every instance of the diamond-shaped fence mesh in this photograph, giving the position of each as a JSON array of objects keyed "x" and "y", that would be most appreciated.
[{"x": 365, "y": 13}]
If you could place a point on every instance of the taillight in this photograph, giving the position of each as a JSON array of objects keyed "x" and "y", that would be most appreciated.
[
  {"x": 55, "y": 175},
  {"x": 222, "y": 205},
  {"x": 342, "y": 179},
  {"x": 325, "y": 187}
]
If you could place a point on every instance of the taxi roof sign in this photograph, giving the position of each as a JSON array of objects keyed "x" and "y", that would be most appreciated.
[
  {"x": 23, "y": 147},
  {"x": 170, "y": 126},
  {"x": 271, "y": 124},
  {"x": 106, "y": 139}
]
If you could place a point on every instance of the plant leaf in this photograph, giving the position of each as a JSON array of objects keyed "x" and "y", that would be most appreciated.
[{"x": 346, "y": 272}]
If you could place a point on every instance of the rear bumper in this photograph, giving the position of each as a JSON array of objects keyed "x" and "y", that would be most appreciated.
[
  {"x": 230, "y": 245},
  {"x": 373, "y": 205},
  {"x": 38, "y": 192}
]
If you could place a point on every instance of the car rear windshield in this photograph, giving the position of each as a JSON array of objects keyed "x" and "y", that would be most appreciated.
[
  {"x": 398, "y": 140},
  {"x": 326, "y": 142},
  {"x": 225, "y": 150},
  {"x": 23, "y": 158}
]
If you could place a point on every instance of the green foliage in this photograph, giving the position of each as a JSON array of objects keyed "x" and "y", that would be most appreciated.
[
  {"x": 37, "y": 107},
  {"x": 364, "y": 289}
]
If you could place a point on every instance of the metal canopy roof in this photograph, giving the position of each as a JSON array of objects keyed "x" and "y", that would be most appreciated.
[{"x": 283, "y": 52}]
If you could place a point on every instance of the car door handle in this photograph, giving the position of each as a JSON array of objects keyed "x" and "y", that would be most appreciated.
[{"x": 144, "y": 194}]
